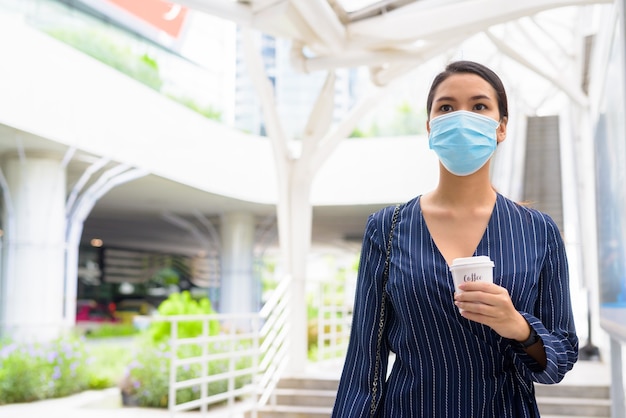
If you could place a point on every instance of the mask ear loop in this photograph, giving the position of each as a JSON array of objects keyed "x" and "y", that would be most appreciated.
[{"x": 499, "y": 124}]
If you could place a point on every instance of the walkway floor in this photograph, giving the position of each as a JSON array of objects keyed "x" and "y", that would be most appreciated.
[
  {"x": 107, "y": 403},
  {"x": 97, "y": 404}
]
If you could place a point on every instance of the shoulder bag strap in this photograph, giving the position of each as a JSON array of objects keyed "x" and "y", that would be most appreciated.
[{"x": 381, "y": 321}]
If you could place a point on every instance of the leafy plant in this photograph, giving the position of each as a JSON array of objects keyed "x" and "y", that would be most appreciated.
[
  {"x": 102, "y": 47},
  {"x": 36, "y": 371},
  {"x": 182, "y": 304},
  {"x": 207, "y": 111},
  {"x": 146, "y": 380}
]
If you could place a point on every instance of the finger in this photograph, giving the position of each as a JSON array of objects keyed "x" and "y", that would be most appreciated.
[
  {"x": 478, "y": 312},
  {"x": 480, "y": 286},
  {"x": 476, "y": 296},
  {"x": 499, "y": 300}
]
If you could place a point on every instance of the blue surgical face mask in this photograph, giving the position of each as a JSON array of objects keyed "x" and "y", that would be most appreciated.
[{"x": 464, "y": 141}]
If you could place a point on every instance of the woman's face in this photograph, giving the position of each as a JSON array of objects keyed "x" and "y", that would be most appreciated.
[{"x": 470, "y": 92}]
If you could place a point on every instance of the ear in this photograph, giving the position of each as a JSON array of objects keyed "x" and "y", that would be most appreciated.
[
  {"x": 501, "y": 130},
  {"x": 428, "y": 126}
]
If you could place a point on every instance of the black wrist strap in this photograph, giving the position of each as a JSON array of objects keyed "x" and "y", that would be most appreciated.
[{"x": 532, "y": 339}]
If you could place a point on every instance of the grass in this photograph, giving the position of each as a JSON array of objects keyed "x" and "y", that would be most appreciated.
[{"x": 111, "y": 331}]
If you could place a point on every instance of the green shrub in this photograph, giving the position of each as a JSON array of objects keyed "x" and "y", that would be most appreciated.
[
  {"x": 146, "y": 379},
  {"x": 147, "y": 376},
  {"x": 182, "y": 304},
  {"x": 208, "y": 111},
  {"x": 115, "y": 53},
  {"x": 103, "y": 46},
  {"x": 30, "y": 372}
]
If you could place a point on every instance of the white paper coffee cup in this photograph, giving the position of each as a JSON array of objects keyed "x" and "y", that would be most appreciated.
[{"x": 471, "y": 269}]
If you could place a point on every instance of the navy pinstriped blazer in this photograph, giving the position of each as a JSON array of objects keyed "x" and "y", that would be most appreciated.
[{"x": 445, "y": 365}]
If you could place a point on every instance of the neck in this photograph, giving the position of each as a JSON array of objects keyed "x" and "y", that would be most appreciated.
[{"x": 467, "y": 191}]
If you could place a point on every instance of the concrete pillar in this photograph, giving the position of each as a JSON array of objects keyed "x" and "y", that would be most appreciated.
[
  {"x": 239, "y": 291},
  {"x": 34, "y": 246},
  {"x": 618, "y": 407},
  {"x": 296, "y": 238}
]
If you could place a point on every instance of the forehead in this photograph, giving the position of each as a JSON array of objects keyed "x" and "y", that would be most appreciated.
[{"x": 465, "y": 84}]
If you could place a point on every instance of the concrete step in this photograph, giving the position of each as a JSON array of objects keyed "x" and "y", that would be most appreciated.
[
  {"x": 574, "y": 400},
  {"x": 309, "y": 383},
  {"x": 563, "y": 416},
  {"x": 574, "y": 407},
  {"x": 573, "y": 391},
  {"x": 314, "y": 398},
  {"x": 287, "y": 411},
  {"x": 306, "y": 397},
  {"x": 310, "y": 397}
]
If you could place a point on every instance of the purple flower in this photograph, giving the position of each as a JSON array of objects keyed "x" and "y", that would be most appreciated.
[
  {"x": 56, "y": 373},
  {"x": 7, "y": 350},
  {"x": 52, "y": 356},
  {"x": 32, "y": 352}
]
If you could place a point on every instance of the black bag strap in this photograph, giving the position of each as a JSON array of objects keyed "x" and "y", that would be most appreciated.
[{"x": 381, "y": 321}]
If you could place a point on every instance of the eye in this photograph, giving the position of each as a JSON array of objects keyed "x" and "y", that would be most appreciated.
[
  {"x": 446, "y": 108},
  {"x": 480, "y": 106}
]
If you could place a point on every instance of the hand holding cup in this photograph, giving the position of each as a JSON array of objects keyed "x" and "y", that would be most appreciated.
[{"x": 471, "y": 269}]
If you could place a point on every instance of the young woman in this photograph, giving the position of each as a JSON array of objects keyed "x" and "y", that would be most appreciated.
[{"x": 477, "y": 353}]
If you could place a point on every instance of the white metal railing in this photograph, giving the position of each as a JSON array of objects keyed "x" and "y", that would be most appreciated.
[
  {"x": 274, "y": 348},
  {"x": 246, "y": 358},
  {"x": 334, "y": 321},
  {"x": 227, "y": 359}
]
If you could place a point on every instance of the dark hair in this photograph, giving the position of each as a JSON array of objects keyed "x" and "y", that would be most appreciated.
[{"x": 459, "y": 67}]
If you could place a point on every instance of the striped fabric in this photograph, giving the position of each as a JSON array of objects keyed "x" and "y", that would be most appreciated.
[{"x": 446, "y": 365}]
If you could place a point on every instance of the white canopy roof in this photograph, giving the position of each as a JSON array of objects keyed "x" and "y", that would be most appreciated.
[
  {"x": 393, "y": 37},
  {"x": 537, "y": 47}
]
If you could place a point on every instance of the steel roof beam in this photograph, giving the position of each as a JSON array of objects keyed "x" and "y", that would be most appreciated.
[
  {"x": 414, "y": 22},
  {"x": 236, "y": 12},
  {"x": 568, "y": 87},
  {"x": 324, "y": 22}
]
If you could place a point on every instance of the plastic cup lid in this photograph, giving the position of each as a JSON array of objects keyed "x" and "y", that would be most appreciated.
[{"x": 467, "y": 261}]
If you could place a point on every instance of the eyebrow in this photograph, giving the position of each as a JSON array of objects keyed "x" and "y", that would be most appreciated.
[{"x": 452, "y": 99}]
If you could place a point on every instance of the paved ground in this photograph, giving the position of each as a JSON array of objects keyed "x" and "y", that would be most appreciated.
[
  {"x": 98, "y": 404},
  {"x": 107, "y": 403}
]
